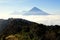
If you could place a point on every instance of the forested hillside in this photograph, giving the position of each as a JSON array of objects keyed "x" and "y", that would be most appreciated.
[{"x": 21, "y": 29}]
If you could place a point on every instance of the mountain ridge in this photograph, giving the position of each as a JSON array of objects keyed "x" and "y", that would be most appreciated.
[
  {"x": 35, "y": 11},
  {"x": 27, "y": 30}
]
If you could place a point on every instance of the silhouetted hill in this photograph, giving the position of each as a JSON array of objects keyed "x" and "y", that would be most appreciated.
[
  {"x": 3, "y": 24},
  {"x": 26, "y": 30}
]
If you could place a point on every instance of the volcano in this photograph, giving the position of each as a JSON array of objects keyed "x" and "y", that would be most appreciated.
[{"x": 36, "y": 11}]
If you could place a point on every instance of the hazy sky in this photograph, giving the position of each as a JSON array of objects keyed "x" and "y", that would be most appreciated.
[{"x": 10, "y": 6}]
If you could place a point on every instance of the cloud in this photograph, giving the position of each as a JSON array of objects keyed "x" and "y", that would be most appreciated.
[
  {"x": 48, "y": 20},
  {"x": 18, "y": 13}
]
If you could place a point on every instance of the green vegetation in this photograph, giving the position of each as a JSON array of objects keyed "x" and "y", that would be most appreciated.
[{"x": 21, "y": 29}]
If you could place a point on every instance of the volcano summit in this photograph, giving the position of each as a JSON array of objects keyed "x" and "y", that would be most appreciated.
[{"x": 36, "y": 11}]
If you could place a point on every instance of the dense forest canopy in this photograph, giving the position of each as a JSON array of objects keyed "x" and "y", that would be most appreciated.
[{"x": 21, "y": 29}]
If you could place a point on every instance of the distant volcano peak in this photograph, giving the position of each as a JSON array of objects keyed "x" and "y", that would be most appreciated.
[{"x": 35, "y": 9}]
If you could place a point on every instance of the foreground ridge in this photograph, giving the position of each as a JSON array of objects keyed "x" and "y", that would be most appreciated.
[{"x": 21, "y": 29}]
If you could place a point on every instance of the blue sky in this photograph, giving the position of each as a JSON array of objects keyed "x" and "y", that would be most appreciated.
[{"x": 10, "y": 6}]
